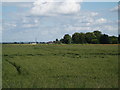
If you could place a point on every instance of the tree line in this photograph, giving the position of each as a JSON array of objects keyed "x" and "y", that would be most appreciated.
[{"x": 95, "y": 37}]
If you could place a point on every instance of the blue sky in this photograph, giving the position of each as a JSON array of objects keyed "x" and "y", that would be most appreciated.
[{"x": 24, "y": 21}]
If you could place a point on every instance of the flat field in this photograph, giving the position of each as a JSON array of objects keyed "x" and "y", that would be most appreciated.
[{"x": 60, "y": 66}]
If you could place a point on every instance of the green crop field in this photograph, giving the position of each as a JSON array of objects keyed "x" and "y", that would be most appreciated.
[{"x": 60, "y": 66}]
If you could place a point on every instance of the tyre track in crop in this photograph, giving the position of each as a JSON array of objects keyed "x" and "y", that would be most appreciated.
[{"x": 18, "y": 68}]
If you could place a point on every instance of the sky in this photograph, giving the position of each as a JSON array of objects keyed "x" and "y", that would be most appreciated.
[{"x": 48, "y": 21}]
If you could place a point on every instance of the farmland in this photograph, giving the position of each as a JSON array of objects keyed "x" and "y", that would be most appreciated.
[{"x": 60, "y": 66}]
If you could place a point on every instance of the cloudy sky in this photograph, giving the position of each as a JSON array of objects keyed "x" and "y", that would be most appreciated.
[{"x": 46, "y": 21}]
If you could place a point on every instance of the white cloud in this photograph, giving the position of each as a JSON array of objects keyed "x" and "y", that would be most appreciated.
[
  {"x": 88, "y": 24},
  {"x": 94, "y": 14},
  {"x": 18, "y": 0},
  {"x": 77, "y": 28},
  {"x": 61, "y": 0},
  {"x": 44, "y": 7},
  {"x": 18, "y": 4},
  {"x": 87, "y": 17},
  {"x": 11, "y": 25},
  {"x": 1, "y": 29},
  {"x": 28, "y": 21},
  {"x": 29, "y": 25},
  {"x": 8, "y": 26},
  {"x": 110, "y": 28},
  {"x": 101, "y": 20},
  {"x": 36, "y": 20},
  {"x": 88, "y": 20},
  {"x": 115, "y": 9},
  {"x": 24, "y": 20},
  {"x": 24, "y": 5}
]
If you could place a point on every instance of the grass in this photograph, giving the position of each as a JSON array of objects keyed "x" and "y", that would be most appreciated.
[{"x": 60, "y": 66}]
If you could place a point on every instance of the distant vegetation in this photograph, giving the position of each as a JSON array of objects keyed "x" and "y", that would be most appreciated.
[{"x": 95, "y": 37}]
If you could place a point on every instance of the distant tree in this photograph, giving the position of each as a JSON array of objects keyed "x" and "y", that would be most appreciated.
[
  {"x": 62, "y": 40},
  {"x": 98, "y": 35},
  {"x": 95, "y": 41},
  {"x": 94, "y": 37},
  {"x": 78, "y": 38},
  {"x": 104, "y": 39},
  {"x": 57, "y": 40},
  {"x": 15, "y": 42},
  {"x": 119, "y": 38},
  {"x": 89, "y": 36},
  {"x": 67, "y": 39},
  {"x": 113, "y": 40},
  {"x": 75, "y": 38},
  {"x": 22, "y": 42},
  {"x": 82, "y": 38}
]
